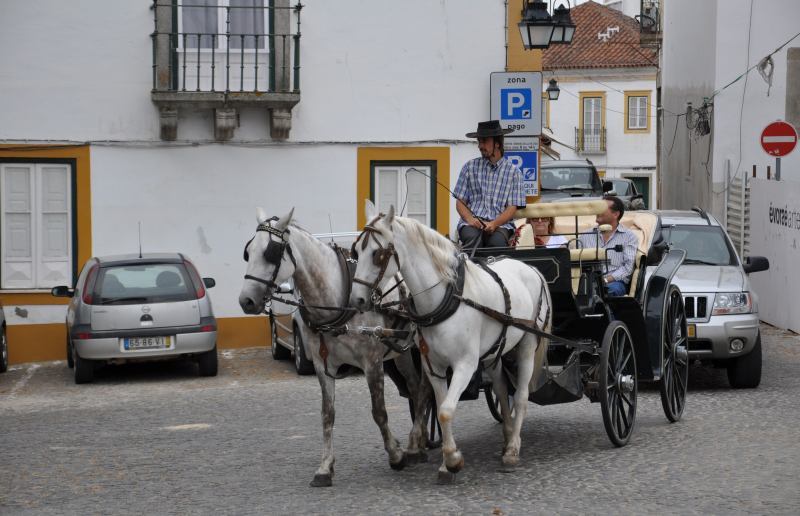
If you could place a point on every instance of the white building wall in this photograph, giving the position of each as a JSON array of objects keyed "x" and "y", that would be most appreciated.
[
  {"x": 705, "y": 48},
  {"x": 628, "y": 154}
]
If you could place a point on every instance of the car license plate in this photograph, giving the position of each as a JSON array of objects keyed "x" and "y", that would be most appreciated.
[
  {"x": 136, "y": 343},
  {"x": 692, "y": 330}
]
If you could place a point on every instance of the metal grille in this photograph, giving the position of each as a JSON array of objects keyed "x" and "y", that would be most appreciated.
[
  {"x": 225, "y": 48},
  {"x": 590, "y": 141},
  {"x": 696, "y": 307}
]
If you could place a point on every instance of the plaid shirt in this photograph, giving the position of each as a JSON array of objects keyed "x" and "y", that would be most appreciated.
[
  {"x": 488, "y": 189},
  {"x": 621, "y": 264}
]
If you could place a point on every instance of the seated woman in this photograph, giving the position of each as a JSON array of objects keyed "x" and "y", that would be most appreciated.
[{"x": 538, "y": 232}]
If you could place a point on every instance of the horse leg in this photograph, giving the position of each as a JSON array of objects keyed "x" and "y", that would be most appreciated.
[
  {"x": 525, "y": 350},
  {"x": 324, "y": 475},
  {"x": 447, "y": 399},
  {"x": 374, "y": 375},
  {"x": 500, "y": 388},
  {"x": 420, "y": 393}
]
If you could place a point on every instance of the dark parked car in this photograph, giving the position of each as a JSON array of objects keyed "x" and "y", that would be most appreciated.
[
  {"x": 626, "y": 190},
  {"x": 565, "y": 179},
  {"x": 3, "y": 343},
  {"x": 139, "y": 307}
]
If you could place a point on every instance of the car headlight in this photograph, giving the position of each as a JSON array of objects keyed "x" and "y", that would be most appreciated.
[{"x": 726, "y": 303}]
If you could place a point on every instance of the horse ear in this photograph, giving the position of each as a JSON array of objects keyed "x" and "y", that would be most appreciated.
[
  {"x": 390, "y": 216},
  {"x": 370, "y": 210},
  {"x": 261, "y": 215},
  {"x": 284, "y": 221}
]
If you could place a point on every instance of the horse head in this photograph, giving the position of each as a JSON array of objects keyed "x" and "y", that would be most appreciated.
[
  {"x": 377, "y": 258},
  {"x": 269, "y": 261}
]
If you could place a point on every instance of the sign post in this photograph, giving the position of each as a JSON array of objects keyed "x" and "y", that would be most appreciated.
[
  {"x": 516, "y": 101},
  {"x": 778, "y": 139}
]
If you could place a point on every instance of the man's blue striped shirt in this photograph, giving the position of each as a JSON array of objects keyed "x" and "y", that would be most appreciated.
[{"x": 488, "y": 189}]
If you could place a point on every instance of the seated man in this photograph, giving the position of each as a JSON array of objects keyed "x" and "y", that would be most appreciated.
[
  {"x": 488, "y": 191},
  {"x": 621, "y": 263}
]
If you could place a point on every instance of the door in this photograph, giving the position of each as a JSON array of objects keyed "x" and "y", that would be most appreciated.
[
  {"x": 409, "y": 187},
  {"x": 643, "y": 187}
]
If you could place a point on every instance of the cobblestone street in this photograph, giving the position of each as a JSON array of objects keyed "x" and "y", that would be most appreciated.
[{"x": 154, "y": 439}]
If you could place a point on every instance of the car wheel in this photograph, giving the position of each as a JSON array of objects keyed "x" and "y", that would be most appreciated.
[
  {"x": 278, "y": 351},
  {"x": 745, "y": 372},
  {"x": 3, "y": 350},
  {"x": 303, "y": 365},
  {"x": 207, "y": 362},
  {"x": 84, "y": 369}
]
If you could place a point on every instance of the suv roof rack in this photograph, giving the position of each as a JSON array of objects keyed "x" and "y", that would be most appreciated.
[{"x": 702, "y": 213}]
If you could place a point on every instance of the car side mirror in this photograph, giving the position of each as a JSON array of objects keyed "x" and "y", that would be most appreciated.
[
  {"x": 62, "y": 291},
  {"x": 209, "y": 282},
  {"x": 607, "y": 187},
  {"x": 755, "y": 264}
]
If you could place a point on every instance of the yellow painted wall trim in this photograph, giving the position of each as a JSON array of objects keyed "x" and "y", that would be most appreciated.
[
  {"x": 81, "y": 155},
  {"x": 517, "y": 58},
  {"x": 441, "y": 155},
  {"x": 637, "y": 93}
]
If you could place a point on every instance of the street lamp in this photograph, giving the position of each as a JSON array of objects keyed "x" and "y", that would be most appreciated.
[
  {"x": 553, "y": 91},
  {"x": 536, "y": 27},
  {"x": 564, "y": 28}
]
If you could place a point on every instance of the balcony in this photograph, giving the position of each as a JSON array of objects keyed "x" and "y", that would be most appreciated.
[
  {"x": 649, "y": 23},
  {"x": 590, "y": 141},
  {"x": 224, "y": 55}
]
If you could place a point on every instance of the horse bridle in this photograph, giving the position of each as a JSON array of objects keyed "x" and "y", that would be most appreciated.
[
  {"x": 273, "y": 254},
  {"x": 380, "y": 258}
]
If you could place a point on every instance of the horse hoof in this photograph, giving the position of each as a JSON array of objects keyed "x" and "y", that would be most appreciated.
[
  {"x": 417, "y": 458},
  {"x": 399, "y": 465},
  {"x": 322, "y": 480},
  {"x": 454, "y": 462},
  {"x": 446, "y": 478},
  {"x": 510, "y": 461}
]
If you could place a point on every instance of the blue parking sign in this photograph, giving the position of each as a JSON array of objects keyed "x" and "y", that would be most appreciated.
[
  {"x": 516, "y": 103},
  {"x": 527, "y": 162}
]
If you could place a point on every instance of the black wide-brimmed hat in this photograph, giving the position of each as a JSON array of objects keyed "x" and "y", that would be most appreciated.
[{"x": 488, "y": 129}]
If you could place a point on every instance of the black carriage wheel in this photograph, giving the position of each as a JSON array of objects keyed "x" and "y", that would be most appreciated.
[
  {"x": 433, "y": 428},
  {"x": 618, "y": 383},
  {"x": 674, "y": 356},
  {"x": 494, "y": 403}
]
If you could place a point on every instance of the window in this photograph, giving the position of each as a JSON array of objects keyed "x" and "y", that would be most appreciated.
[
  {"x": 637, "y": 111},
  {"x": 591, "y": 133},
  {"x": 206, "y": 23},
  {"x": 36, "y": 225},
  {"x": 545, "y": 110},
  {"x": 407, "y": 188}
]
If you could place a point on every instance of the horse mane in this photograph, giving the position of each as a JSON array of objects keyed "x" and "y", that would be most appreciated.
[{"x": 442, "y": 252}]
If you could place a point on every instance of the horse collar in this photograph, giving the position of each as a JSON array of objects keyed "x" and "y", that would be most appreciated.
[{"x": 450, "y": 301}]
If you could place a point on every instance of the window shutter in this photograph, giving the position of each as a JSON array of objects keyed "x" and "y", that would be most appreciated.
[
  {"x": 418, "y": 203},
  {"x": 17, "y": 226},
  {"x": 55, "y": 238}
]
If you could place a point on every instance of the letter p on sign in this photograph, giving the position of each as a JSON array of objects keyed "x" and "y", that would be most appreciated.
[{"x": 515, "y": 104}]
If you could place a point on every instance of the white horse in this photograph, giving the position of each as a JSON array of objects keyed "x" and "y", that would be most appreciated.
[
  {"x": 280, "y": 250},
  {"x": 428, "y": 262}
]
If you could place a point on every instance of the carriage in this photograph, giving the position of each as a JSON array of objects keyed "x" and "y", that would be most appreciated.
[{"x": 602, "y": 347}]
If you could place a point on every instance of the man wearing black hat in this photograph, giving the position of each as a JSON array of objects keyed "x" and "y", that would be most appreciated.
[{"x": 488, "y": 191}]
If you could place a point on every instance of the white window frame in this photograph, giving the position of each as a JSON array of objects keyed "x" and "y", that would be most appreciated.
[
  {"x": 221, "y": 27},
  {"x": 402, "y": 191},
  {"x": 637, "y": 112},
  {"x": 36, "y": 234}
]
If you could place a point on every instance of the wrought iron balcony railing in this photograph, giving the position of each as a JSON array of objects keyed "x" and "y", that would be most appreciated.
[
  {"x": 590, "y": 141},
  {"x": 200, "y": 46}
]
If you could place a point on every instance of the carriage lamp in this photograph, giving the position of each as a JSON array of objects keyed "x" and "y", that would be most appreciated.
[
  {"x": 564, "y": 28},
  {"x": 553, "y": 90},
  {"x": 536, "y": 27},
  {"x": 737, "y": 345}
]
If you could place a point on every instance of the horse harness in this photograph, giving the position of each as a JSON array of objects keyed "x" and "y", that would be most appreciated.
[{"x": 336, "y": 326}]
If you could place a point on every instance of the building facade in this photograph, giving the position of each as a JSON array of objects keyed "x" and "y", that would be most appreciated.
[
  {"x": 182, "y": 118},
  {"x": 606, "y": 110}
]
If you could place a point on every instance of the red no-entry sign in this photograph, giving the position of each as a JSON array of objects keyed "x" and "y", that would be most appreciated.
[{"x": 778, "y": 138}]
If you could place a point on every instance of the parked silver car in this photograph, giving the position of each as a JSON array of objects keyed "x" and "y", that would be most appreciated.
[
  {"x": 3, "y": 342},
  {"x": 721, "y": 307},
  {"x": 133, "y": 307}
]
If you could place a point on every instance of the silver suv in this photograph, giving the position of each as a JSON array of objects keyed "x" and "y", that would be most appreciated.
[{"x": 721, "y": 307}]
